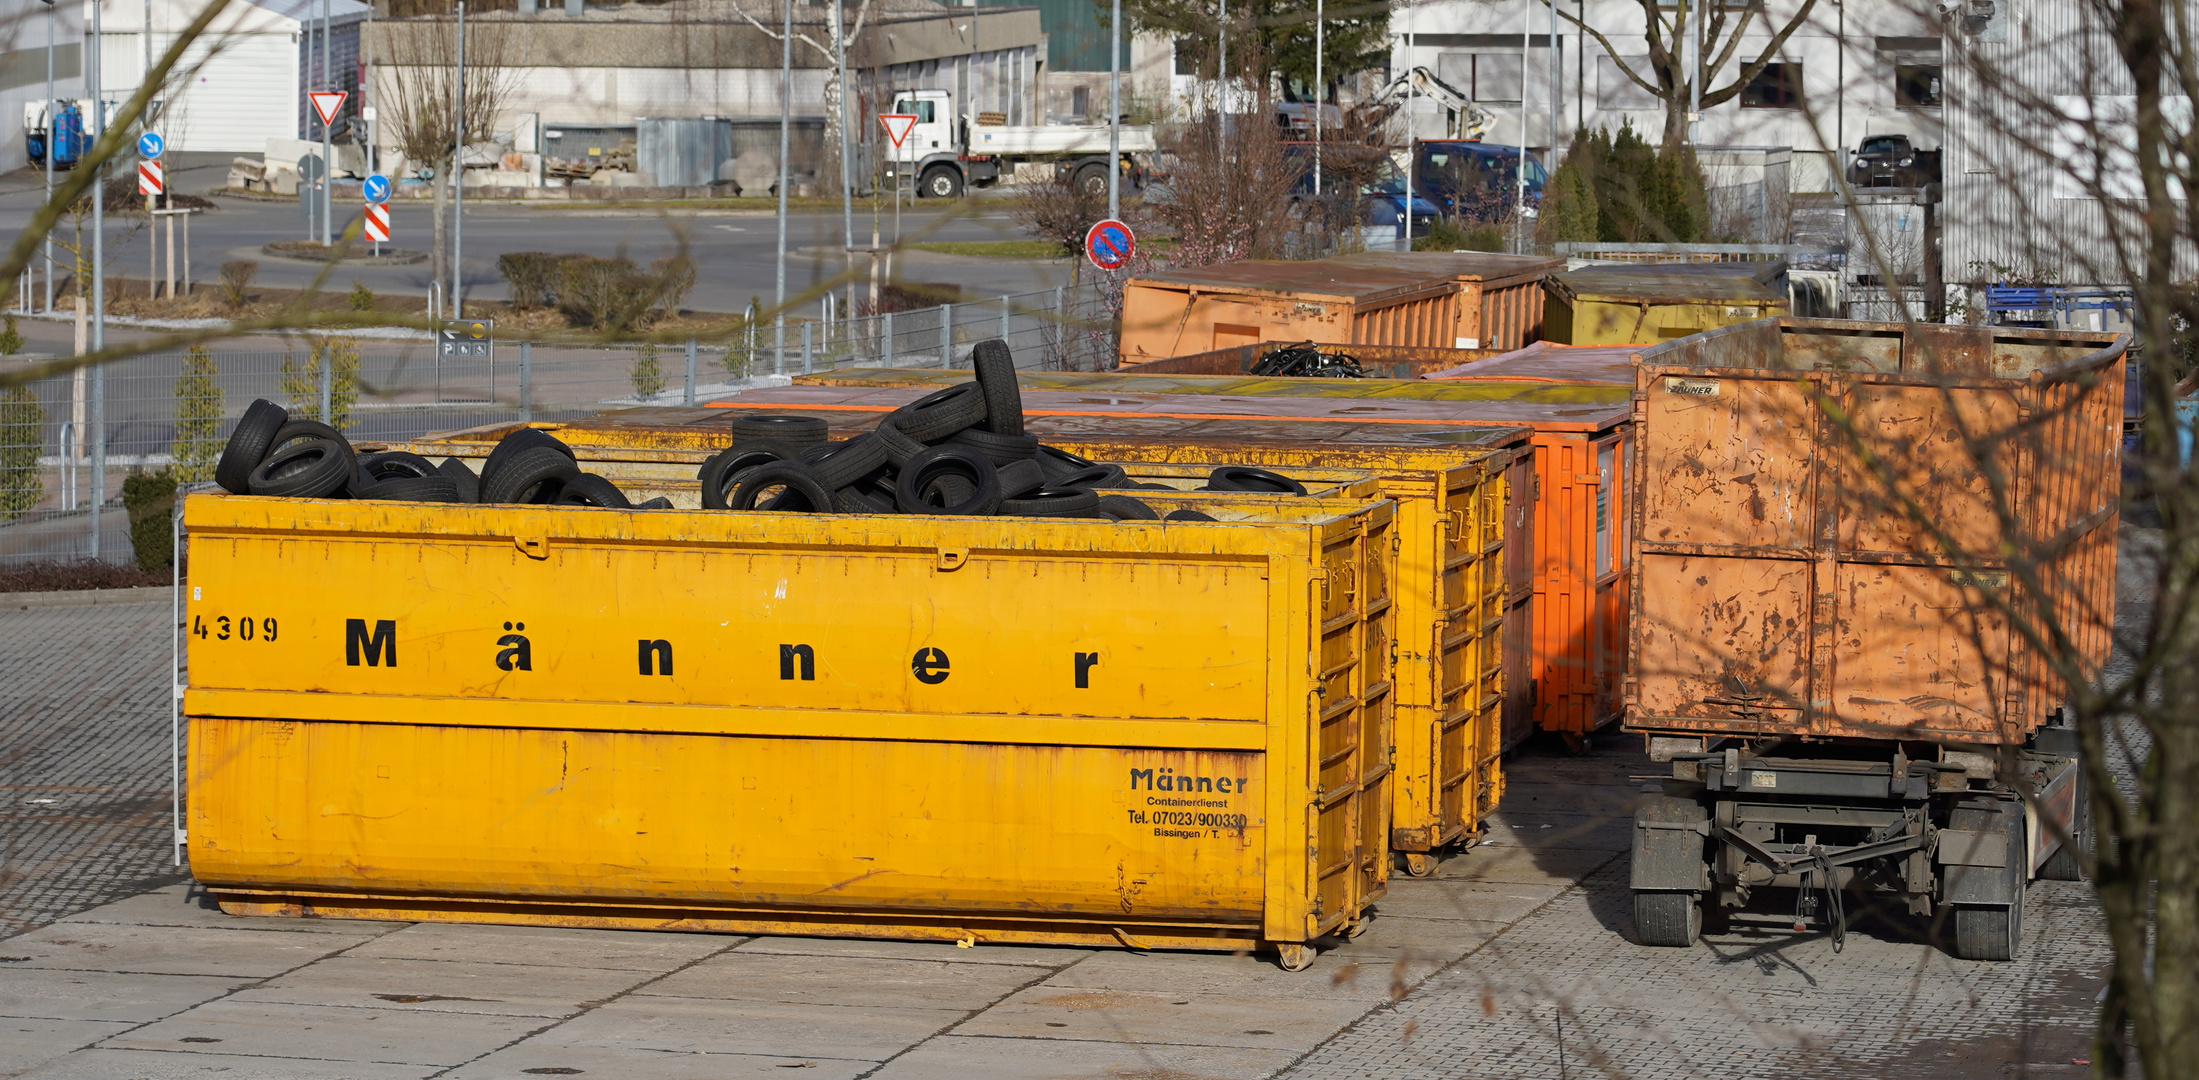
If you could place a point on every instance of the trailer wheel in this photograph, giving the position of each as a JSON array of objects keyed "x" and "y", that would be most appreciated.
[
  {"x": 2064, "y": 864},
  {"x": 941, "y": 182},
  {"x": 1667, "y": 919},
  {"x": 1092, "y": 181},
  {"x": 1294, "y": 957},
  {"x": 1419, "y": 863},
  {"x": 1987, "y": 933}
]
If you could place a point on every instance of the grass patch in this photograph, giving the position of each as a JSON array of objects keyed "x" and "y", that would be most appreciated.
[{"x": 996, "y": 249}]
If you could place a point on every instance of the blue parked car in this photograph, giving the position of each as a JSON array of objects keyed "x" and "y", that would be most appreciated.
[
  {"x": 1474, "y": 180},
  {"x": 1382, "y": 199}
]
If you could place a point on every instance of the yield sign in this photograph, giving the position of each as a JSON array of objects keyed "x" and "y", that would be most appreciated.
[
  {"x": 327, "y": 103},
  {"x": 898, "y": 126}
]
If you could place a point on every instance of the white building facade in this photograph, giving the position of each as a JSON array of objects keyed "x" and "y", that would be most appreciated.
[
  {"x": 24, "y": 26},
  {"x": 244, "y": 81}
]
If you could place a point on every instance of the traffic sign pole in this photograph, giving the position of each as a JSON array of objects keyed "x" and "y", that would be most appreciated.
[{"x": 898, "y": 126}]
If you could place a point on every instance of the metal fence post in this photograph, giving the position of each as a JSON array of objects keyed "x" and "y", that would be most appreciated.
[
  {"x": 1061, "y": 326},
  {"x": 324, "y": 359},
  {"x": 526, "y": 382},
  {"x": 807, "y": 329},
  {"x": 690, "y": 399},
  {"x": 99, "y": 452},
  {"x": 946, "y": 335},
  {"x": 886, "y": 334},
  {"x": 778, "y": 345}
]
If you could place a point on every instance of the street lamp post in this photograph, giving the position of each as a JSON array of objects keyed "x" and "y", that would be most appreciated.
[
  {"x": 52, "y": 114},
  {"x": 786, "y": 121},
  {"x": 98, "y": 425},
  {"x": 458, "y": 175},
  {"x": 1320, "y": 97},
  {"x": 1114, "y": 112}
]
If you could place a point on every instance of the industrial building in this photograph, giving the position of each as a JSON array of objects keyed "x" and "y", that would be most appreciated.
[
  {"x": 243, "y": 81},
  {"x": 23, "y": 63}
]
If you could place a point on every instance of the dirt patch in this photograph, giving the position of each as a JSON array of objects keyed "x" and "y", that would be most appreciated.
[{"x": 67, "y": 576}]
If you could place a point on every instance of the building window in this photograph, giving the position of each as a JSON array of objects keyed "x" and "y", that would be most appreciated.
[
  {"x": 1778, "y": 86},
  {"x": 1916, "y": 86},
  {"x": 1080, "y": 101},
  {"x": 1615, "y": 91},
  {"x": 1488, "y": 78}
]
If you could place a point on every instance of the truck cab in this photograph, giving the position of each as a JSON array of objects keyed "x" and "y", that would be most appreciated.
[{"x": 932, "y": 153}]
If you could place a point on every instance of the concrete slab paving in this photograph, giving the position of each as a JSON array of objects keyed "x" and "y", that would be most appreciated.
[
  {"x": 1524, "y": 866},
  {"x": 186, "y": 904},
  {"x": 170, "y": 950},
  {"x": 1041, "y": 955},
  {"x": 330, "y": 1033},
  {"x": 1461, "y": 898},
  {"x": 1170, "y": 1017},
  {"x": 546, "y": 946},
  {"x": 1253, "y": 976},
  {"x": 103, "y": 995},
  {"x": 628, "y": 1063},
  {"x": 740, "y": 975},
  {"x": 100, "y": 1063},
  {"x": 460, "y": 986},
  {"x": 25, "y": 1042},
  {"x": 963, "y": 1057},
  {"x": 764, "y": 1028}
]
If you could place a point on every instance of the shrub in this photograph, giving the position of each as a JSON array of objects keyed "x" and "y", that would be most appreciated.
[
  {"x": 236, "y": 276},
  {"x": 675, "y": 277},
  {"x": 198, "y": 417},
  {"x": 1059, "y": 211},
  {"x": 362, "y": 298},
  {"x": 1447, "y": 235},
  {"x": 601, "y": 293},
  {"x": 647, "y": 374},
  {"x": 533, "y": 277},
  {"x": 22, "y": 434},
  {"x": 11, "y": 339},
  {"x": 302, "y": 382},
  {"x": 1642, "y": 195},
  {"x": 150, "y": 500}
]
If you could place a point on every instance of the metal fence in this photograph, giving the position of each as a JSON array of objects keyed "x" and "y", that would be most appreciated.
[{"x": 68, "y": 443}]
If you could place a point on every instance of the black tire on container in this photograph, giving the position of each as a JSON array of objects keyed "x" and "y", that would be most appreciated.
[
  {"x": 723, "y": 469},
  {"x": 1020, "y": 478},
  {"x": 996, "y": 377},
  {"x": 517, "y": 440},
  {"x": 854, "y": 500},
  {"x": 298, "y": 431},
  {"x": 588, "y": 489},
  {"x": 437, "y": 488},
  {"x": 949, "y": 489},
  {"x": 899, "y": 447},
  {"x": 1096, "y": 476},
  {"x": 1986, "y": 933},
  {"x": 1058, "y": 462},
  {"x": 1051, "y": 501},
  {"x": 940, "y": 461},
  {"x": 850, "y": 461},
  {"x": 658, "y": 503},
  {"x": 533, "y": 475},
  {"x": 2065, "y": 864},
  {"x": 1667, "y": 919},
  {"x": 1125, "y": 508},
  {"x": 393, "y": 464},
  {"x": 1247, "y": 478},
  {"x": 248, "y": 445},
  {"x": 468, "y": 483},
  {"x": 816, "y": 452},
  {"x": 941, "y": 413},
  {"x": 1001, "y": 448},
  {"x": 312, "y": 469},
  {"x": 786, "y": 427},
  {"x": 1188, "y": 515},
  {"x": 793, "y": 482}
]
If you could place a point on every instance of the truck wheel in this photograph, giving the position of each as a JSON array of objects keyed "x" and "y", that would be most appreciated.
[
  {"x": 1294, "y": 957},
  {"x": 941, "y": 182},
  {"x": 1092, "y": 181},
  {"x": 1987, "y": 933},
  {"x": 2064, "y": 864},
  {"x": 1667, "y": 919}
]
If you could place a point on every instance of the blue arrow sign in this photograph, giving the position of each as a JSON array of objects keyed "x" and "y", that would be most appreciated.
[
  {"x": 150, "y": 145},
  {"x": 375, "y": 188}
]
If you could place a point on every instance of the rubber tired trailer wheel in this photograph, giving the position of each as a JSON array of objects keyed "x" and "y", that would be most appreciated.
[
  {"x": 248, "y": 445},
  {"x": 1667, "y": 919},
  {"x": 996, "y": 376},
  {"x": 2066, "y": 864},
  {"x": 1986, "y": 933},
  {"x": 1294, "y": 957},
  {"x": 941, "y": 182}
]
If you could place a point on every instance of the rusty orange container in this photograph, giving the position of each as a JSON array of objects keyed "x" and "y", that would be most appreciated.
[
  {"x": 1196, "y": 310},
  {"x": 1500, "y": 300},
  {"x": 1783, "y": 589},
  {"x": 1378, "y": 361}
]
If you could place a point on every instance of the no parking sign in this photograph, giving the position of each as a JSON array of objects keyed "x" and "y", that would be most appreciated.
[{"x": 1110, "y": 244}]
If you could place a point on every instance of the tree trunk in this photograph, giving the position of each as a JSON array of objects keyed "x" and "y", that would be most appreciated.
[{"x": 828, "y": 169}]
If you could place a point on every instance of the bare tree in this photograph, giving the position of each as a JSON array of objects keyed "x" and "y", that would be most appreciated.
[
  {"x": 852, "y": 29},
  {"x": 416, "y": 61},
  {"x": 1666, "y": 30}
]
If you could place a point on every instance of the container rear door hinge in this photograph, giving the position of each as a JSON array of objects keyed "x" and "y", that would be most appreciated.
[{"x": 535, "y": 547}]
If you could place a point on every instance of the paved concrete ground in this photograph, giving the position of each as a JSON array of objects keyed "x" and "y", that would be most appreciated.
[{"x": 1513, "y": 961}]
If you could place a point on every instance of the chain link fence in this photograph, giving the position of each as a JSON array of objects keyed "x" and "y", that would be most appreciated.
[{"x": 69, "y": 443}]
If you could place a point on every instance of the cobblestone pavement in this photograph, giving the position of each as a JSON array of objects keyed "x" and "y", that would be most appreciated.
[{"x": 84, "y": 795}]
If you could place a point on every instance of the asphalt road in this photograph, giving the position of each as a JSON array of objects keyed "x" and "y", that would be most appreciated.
[{"x": 735, "y": 249}]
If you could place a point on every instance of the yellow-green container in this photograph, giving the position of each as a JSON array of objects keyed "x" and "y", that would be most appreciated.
[
  {"x": 972, "y": 729},
  {"x": 1649, "y": 304}
]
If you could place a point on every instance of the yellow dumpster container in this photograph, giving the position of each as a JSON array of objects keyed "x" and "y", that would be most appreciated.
[
  {"x": 810, "y": 724},
  {"x": 1648, "y": 304}
]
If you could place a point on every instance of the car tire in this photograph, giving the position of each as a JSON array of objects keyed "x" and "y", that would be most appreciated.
[
  {"x": 536, "y": 475},
  {"x": 518, "y": 440},
  {"x": 937, "y": 415},
  {"x": 854, "y": 500},
  {"x": 723, "y": 469},
  {"x": 248, "y": 445},
  {"x": 996, "y": 377},
  {"x": 658, "y": 503},
  {"x": 1020, "y": 478},
  {"x": 850, "y": 462},
  {"x": 1051, "y": 501},
  {"x": 309, "y": 469},
  {"x": 395, "y": 464},
  {"x": 1247, "y": 478},
  {"x": 1125, "y": 508},
  {"x": 1059, "y": 463},
  {"x": 943, "y": 461},
  {"x": 792, "y": 428},
  {"x": 1188, "y": 515},
  {"x": 437, "y": 488},
  {"x": 1093, "y": 476},
  {"x": 1002, "y": 449},
  {"x": 465, "y": 479},
  {"x": 899, "y": 447},
  {"x": 588, "y": 489},
  {"x": 792, "y": 481}
]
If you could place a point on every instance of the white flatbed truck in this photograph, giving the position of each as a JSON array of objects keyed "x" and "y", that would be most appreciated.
[{"x": 948, "y": 153}]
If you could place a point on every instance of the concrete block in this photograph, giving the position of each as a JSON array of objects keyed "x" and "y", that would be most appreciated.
[
  {"x": 504, "y": 989},
  {"x": 547, "y": 946},
  {"x": 322, "y": 1033},
  {"x": 960, "y": 1057},
  {"x": 1268, "y": 1023},
  {"x": 134, "y": 997},
  {"x": 741, "y": 975},
  {"x": 172, "y": 950}
]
